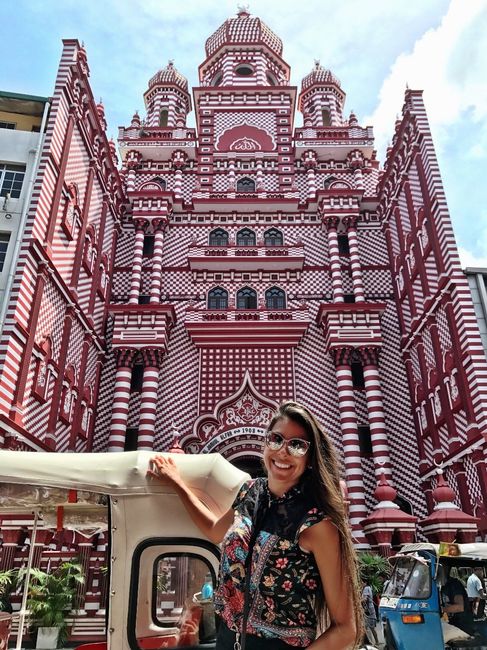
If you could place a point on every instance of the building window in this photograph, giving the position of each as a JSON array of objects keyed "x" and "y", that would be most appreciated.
[
  {"x": 148, "y": 249},
  {"x": 246, "y": 237},
  {"x": 349, "y": 297},
  {"x": 218, "y": 237},
  {"x": 137, "y": 378},
  {"x": 217, "y": 298},
  {"x": 273, "y": 237},
  {"x": 271, "y": 79},
  {"x": 275, "y": 298},
  {"x": 343, "y": 245},
  {"x": 163, "y": 117},
  {"x": 144, "y": 299},
  {"x": 131, "y": 436},
  {"x": 325, "y": 116},
  {"x": 246, "y": 299},
  {"x": 7, "y": 125},
  {"x": 357, "y": 375},
  {"x": 11, "y": 179},
  {"x": 365, "y": 440},
  {"x": 245, "y": 185},
  {"x": 4, "y": 240},
  {"x": 244, "y": 70},
  {"x": 217, "y": 81}
]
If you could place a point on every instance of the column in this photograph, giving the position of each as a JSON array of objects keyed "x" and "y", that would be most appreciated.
[
  {"x": 231, "y": 188},
  {"x": 42, "y": 540},
  {"x": 259, "y": 186},
  {"x": 375, "y": 409},
  {"x": 140, "y": 228},
  {"x": 121, "y": 397},
  {"x": 351, "y": 444},
  {"x": 479, "y": 459},
  {"x": 132, "y": 160},
  {"x": 10, "y": 540},
  {"x": 462, "y": 482},
  {"x": 80, "y": 244},
  {"x": 335, "y": 266},
  {"x": 84, "y": 547},
  {"x": 148, "y": 399},
  {"x": 178, "y": 163},
  {"x": 159, "y": 226},
  {"x": 310, "y": 164},
  {"x": 355, "y": 265}
]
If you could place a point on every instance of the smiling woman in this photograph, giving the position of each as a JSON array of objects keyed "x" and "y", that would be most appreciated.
[{"x": 288, "y": 574}]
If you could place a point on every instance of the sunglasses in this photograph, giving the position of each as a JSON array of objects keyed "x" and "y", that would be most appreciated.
[{"x": 295, "y": 446}]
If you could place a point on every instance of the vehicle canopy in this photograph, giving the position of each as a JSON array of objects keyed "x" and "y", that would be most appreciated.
[{"x": 99, "y": 491}]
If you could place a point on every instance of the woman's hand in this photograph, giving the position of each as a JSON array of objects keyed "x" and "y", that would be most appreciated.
[{"x": 164, "y": 469}]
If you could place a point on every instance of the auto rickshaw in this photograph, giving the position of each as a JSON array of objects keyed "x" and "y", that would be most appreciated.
[
  {"x": 161, "y": 570},
  {"x": 411, "y": 606}
]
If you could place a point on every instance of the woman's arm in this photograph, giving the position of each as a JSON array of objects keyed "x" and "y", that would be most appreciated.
[
  {"x": 212, "y": 526},
  {"x": 323, "y": 541}
]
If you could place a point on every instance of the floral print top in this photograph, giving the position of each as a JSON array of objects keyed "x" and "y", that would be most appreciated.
[{"x": 284, "y": 578}]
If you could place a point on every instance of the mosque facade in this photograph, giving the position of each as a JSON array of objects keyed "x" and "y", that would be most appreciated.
[{"x": 172, "y": 302}]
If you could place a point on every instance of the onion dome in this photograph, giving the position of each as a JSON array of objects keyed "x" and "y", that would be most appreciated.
[
  {"x": 113, "y": 150},
  {"x": 169, "y": 75},
  {"x": 135, "y": 120},
  {"x": 319, "y": 75},
  {"x": 352, "y": 120},
  {"x": 100, "y": 109},
  {"x": 243, "y": 29}
]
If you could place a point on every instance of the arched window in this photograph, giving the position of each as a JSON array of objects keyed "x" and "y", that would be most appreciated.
[
  {"x": 163, "y": 117},
  {"x": 217, "y": 298},
  {"x": 273, "y": 237},
  {"x": 275, "y": 298},
  {"x": 244, "y": 70},
  {"x": 271, "y": 79},
  {"x": 246, "y": 298},
  {"x": 218, "y": 237},
  {"x": 245, "y": 185},
  {"x": 246, "y": 237},
  {"x": 325, "y": 116},
  {"x": 217, "y": 80}
]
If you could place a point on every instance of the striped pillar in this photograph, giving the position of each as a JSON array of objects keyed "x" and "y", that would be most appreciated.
[
  {"x": 155, "y": 284},
  {"x": 310, "y": 165},
  {"x": 375, "y": 409},
  {"x": 351, "y": 445},
  {"x": 259, "y": 186},
  {"x": 178, "y": 162},
  {"x": 355, "y": 265},
  {"x": 10, "y": 540},
  {"x": 232, "y": 185},
  {"x": 148, "y": 398},
  {"x": 335, "y": 266},
  {"x": 140, "y": 228},
  {"x": 358, "y": 178},
  {"x": 121, "y": 398}
]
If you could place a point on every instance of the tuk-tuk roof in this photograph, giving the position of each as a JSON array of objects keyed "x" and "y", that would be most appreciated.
[
  {"x": 473, "y": 551},
  {"x": 121, "y": 473}
]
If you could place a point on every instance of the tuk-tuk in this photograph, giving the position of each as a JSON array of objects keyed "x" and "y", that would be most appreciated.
[
  {"x": 411, "y": 606},
  {"x": 158, "y": 560}
]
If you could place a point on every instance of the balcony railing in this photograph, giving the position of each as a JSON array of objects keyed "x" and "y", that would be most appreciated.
[{"x": 285, "y": 257}]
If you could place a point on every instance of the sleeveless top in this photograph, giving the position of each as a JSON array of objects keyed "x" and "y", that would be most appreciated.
[{"x": 284, "y": 578}]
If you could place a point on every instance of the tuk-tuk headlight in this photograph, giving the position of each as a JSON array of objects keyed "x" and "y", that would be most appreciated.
[{"x": 412, "y": 618}]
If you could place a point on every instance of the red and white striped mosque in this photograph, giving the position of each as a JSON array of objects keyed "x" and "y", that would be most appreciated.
[{"x": 173, "y": 302}]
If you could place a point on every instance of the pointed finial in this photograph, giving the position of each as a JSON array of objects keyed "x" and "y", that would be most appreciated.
[
  {"x": 243, "y": 10},
  {"x": 317, "y": 63},
  {"x": 170, "y": 63}
]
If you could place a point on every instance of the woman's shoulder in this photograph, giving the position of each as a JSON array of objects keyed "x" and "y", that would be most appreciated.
[{"x": 249, "y": 490}]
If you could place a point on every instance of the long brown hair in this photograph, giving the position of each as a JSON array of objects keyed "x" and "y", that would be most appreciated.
[{"x": 323, "y": 483}]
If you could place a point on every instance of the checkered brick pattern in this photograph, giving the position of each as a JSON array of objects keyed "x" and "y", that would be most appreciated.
[
  {"x": 105, "y": 396},
  {"x": 220, "y": 183},
  {"x": 177, "y": 241},
  {"x": 418, "y": 294},
  {"x": 432, "y": 272},
  {"x": 428, "y": 348},
  {"x": 472, "y": 479},
  {"x": 347, "y": 283},
  {"x": 222, "y": 372},
  {"x": 271, "y": 182},
  {"x": 315, "y": 283},
  {"x": 36, "y": 414},
  {"x": 243, "y": 29},
  {"x": 134, "y": 410},
  {"x": 416, "y": 193},
  {"x": 404, "y": 218},
  {"x": 189, "y": 183},
  {"x": 146, "y": 177},
  {"x": 90, "y": 370},
  {"x": 461, "y": 425},
  {"x": 372, "y": 246},
  {"x": 443, "y": 329},
  {"x": 302, "y": 184},
  {"x": 443, "y": 434},
  {"x": 225, "y": 120},
  {"x": 451, "y": 479},
  {"x": 415, "y": 364},
  {"x": 377, "y": 284},
  {"x": 125, "y": 247},
  {"x": 73, "y": 356},
  {"x": 398, "y": 416},
  {"x": 51, "y": 318},
  {"x": 371, "y": 179}
]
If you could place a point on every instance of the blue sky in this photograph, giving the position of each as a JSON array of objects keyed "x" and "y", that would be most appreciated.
[{"x": 375, "y": 47}]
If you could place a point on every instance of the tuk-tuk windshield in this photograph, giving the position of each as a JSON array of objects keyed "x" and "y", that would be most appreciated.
[{"x": 410, "y": 579}]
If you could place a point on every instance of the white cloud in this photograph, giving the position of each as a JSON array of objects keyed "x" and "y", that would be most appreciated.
[
  {"x": 449, "y": 62},
  {"x": 469, "y": 259}
]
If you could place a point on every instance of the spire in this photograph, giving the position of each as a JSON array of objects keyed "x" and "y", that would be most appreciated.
[{"x": 447, "y": 522}]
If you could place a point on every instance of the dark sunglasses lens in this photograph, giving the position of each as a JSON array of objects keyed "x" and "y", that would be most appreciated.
[{"x": 298, "y": 447}]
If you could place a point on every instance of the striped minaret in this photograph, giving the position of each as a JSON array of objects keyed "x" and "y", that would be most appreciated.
[
  {"x": 350, "y": 441},
  {"x": 355, "y": 265},
  {"x": 132, "y": 160},
  {"x": 152, "y": 358},
  {"x": 375, "y": 409},
  {"x": 159, "y": 226},
  {"x": 141, "y": 226},
  {"x": 331, "y": 224},
  {"x": 121, "y": 397},
  {"x": 178, "y": 162}
]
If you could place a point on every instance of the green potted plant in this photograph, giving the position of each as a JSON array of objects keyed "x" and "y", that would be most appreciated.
[
  {"x": 8, "y": 582},
  {"x": 374, "y": 570},
  {"x": 51, "y": 597}
]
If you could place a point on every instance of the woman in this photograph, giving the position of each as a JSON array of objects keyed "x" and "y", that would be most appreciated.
[{"x": 300, "y": 574}]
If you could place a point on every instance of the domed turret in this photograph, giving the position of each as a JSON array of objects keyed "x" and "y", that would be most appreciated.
[
  {"x": 167, "y": 98},
  {"x": 321, "y": 99},
  {"x": 244, "y": 51},
  {"x": 100, "y": 109}
]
